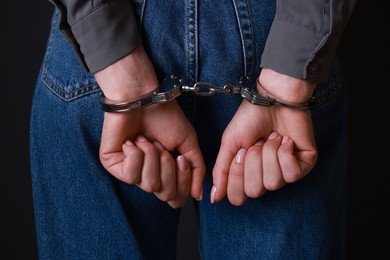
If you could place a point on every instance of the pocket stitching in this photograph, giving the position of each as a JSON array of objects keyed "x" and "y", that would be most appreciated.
[{"x": 60, "y": 91}]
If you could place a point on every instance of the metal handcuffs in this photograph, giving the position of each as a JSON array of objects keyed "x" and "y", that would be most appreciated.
[{"x": 199, "y": 88}]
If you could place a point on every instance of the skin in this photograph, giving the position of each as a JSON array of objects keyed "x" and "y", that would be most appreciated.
[
  {"x": 137, "y": 147},
  {"x": 278, "y": 146}
]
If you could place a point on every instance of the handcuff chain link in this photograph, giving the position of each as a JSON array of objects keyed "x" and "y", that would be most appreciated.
[{"x": 208, "y": 89}]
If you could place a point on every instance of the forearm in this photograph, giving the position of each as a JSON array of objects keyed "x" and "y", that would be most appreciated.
[
  {"x": 101, "y": 32},
  {"x": 304, "y": 36}
]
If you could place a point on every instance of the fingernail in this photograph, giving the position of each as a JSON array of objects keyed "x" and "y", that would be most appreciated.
[
  {"x": 182, "y": 163},
  {"x": 129, "y": 143},
  {"x": 285, "y": 139},
  {"x": 212, "y": 195},
  {"x": 273, "y": 135},
  {"x": 159, "y": 146},
  {"x": 141, "y": 138},
  {"x": 260, "y": 142},
  {"x": 240, "y": 156}
]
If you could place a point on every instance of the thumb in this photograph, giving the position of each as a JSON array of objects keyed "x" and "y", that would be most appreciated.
[
  {"x": 191, "y": 151},
  {"x": 221, "y": 172}
]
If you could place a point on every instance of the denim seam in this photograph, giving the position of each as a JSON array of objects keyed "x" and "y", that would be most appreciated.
[
  {"x": 192, "y": 41},
  {"x": 48, "y": 52},
  {"x": 247, "y": 35},
  {"x": 71, "y": 95},
  {"x": 192, "y": 54}
]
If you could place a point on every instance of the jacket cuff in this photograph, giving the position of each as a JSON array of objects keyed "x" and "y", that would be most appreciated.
[
  {"x": 298, "y": 52},
  {"x": 107, "y": 34}
]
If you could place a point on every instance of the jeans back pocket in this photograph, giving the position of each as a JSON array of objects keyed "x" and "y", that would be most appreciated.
[{"x": 62, "y": 71}]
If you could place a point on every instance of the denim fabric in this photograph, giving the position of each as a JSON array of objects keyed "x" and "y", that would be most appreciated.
[{"x": 82, "y": 212}]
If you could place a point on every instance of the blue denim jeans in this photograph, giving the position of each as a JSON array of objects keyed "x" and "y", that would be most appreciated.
[{"x": 82, "y": 212}]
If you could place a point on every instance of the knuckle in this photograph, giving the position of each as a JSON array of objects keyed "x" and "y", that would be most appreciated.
[
  {"x": 254, "y": 151},
  {"x": 150, "y": 185},
  {"x": 166, "y": 158},
  {"x": 149, "y": 148},
  {"x": 253, "y": 191},
  {"x": 167, "y": 195},
  {"x": 176, "y": 204},
  {"x": 273, "y": 184},
  {"x": 130, "y": 178},
  {"x": 237, "y": 200},
  {"x": 292, "y": 176}
]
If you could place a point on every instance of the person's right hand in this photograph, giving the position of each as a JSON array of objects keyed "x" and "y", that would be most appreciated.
[{"x": 137, "y": 146}]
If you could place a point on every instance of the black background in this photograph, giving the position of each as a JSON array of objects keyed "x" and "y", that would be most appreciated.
[{"x": 364, "y": 50}]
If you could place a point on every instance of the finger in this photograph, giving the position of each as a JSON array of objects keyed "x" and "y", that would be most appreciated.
[
  {"x": 235, "y": 187},
  {"x": 191, "y": 151},
  {"x": 183, "y": 182},
  {"x": 272, "y": 173},
  {"x": 167, "y": 189},
  {"x": 131, "y": 167},
  {"x": 291, "y": 169},
  {"x": 221, "y": 171},
  {"x": 150, "y": 176},
  {"x": 296, "y": 163},
  {"x": 253, "y": 171}
]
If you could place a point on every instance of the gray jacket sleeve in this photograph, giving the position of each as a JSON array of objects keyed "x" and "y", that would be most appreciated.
[
  {"x": 301, "y": 43},
  {"x": 101, "y": 31},
  {"x": 304, "y": 36}
]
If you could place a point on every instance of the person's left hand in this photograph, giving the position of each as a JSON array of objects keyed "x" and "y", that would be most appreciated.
[{"x": 263, "y": 148}]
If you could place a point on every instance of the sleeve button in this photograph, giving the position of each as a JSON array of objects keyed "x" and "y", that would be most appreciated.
[{"x": 313, "y": 68}]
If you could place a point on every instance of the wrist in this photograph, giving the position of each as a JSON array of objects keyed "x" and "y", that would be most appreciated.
[
  {"x": 128, "y": 78},
  {"x": 284, "y": 88}
]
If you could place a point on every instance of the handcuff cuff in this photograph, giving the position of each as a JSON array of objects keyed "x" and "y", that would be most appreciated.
[{"x": 201, "y": 89}]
